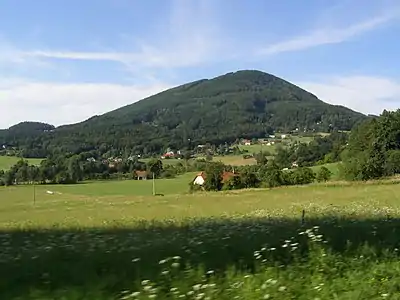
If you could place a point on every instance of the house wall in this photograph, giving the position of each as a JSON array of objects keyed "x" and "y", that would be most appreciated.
[{"x": 199, "y": 180}]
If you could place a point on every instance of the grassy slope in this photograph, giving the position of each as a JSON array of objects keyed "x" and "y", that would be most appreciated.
[
  {"x": 92, "y": 250},
  {"x": 117, "y": 201},
  {"x": 6, "y": 162},
  {"x": 333, "y": 167}
]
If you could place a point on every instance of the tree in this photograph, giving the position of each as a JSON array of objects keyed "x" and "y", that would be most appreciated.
[
  {"x": 371, "y": 152},
  {"x": 302, "y": 176},
  {"x": 74, "y": 170},
  {"x": 282, "y": 157},
  {"x": 249, "y": 179},
  {"x": 272, "y": 175},
  {"x": 155, "y": 166},
  {"x": 9, "y": 178},
  {"x": 392, "y": 164},
  {"x": 233, "y": 183},
  {"x": 323, "y": 174},
  {"x": 213, "y": 181},
  {"x": 261, "y": 158}
]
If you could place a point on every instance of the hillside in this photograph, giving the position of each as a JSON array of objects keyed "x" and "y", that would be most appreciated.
[{"x": 240, "y": 104}]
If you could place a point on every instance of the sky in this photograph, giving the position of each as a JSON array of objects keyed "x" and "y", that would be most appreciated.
[{"x": 63, "y": 61}]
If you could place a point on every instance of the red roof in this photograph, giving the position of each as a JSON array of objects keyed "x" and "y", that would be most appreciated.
[{"x": 228, "y": 175}]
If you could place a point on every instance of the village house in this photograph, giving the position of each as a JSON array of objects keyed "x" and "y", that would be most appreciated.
[
  {"x": 169, "y": 154},
  {"x": 201, "y": 177},
  {"x": 246, "y": 142}
]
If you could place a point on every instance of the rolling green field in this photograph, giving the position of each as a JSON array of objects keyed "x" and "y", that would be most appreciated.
[
  {"x": 6, "y": 162},
  {"x": 256, "y": 148},
  {"x": 113, "y": 240},
  {"x": 333, "y": 167}
]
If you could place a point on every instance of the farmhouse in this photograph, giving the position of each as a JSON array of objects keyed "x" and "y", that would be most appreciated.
[
  {"x": 201, "y": 177},
  {"x": 246, "y": 142},
  {"x": 140, "y": 175},
  {"x": 169, "y": 154}
]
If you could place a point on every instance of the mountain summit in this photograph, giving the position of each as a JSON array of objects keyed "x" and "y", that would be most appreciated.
[{"x": 238, "y": 104}]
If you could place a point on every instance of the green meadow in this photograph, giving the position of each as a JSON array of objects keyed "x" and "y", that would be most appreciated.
[
  {"x": 114, "y": 240},
  {"x": 6, "y": 162}
]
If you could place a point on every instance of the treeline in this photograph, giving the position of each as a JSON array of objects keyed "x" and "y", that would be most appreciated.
[
  {"x": 268, "y": 175},
  {"x": 76, "y": 168},
  {"x": 374, "y": 148}
]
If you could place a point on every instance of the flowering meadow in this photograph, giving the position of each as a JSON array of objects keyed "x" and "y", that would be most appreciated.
[{"x": 255, "y": 244}]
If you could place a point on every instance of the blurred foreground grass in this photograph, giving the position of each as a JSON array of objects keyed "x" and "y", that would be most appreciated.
[{"x": 237, "y": 245}]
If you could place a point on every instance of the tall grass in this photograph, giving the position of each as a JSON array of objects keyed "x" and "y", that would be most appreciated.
[{"x": 239, "y": 245}]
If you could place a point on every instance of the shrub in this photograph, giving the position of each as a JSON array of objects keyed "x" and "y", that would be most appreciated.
[
  {"x": 302, "y": 176},
  {"x": 213, "y": 181},
  {"x": 249, "y": 180},
  {"x": 323, "y": 174},
  {"x": 194, "y": 187},
  {"x": 233, "y": 183}
]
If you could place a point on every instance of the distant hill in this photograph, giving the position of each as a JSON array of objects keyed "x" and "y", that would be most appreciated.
[{"x": 239, "y": 104}]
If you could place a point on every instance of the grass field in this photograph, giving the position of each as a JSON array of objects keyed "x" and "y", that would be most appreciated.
[
  {"x": 235, "y": 160},
  {"x": 333, "y": 167},
  {"x": 113, "y": 240},
  {"x": 6, "y": 162},
  {"x": 256, "y": 148}
]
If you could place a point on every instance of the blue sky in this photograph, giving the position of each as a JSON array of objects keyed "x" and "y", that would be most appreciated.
[{"x": 63, "y": 61}]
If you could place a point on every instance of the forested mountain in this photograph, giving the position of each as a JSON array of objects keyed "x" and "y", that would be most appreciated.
[{"x": 240, "y": 104}]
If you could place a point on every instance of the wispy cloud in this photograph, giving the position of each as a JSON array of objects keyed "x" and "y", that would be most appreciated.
[
  {"x": 367, "y": 94},
  {"x": 327, "y": 36},
  {"x": 63, "y": 103},
  {"x": 189, "y": 38}
]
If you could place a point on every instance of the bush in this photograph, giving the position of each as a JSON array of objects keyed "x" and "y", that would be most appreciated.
[
  {"x": 249, "y": 180},
  {"x": 169, "y": 173},
  {"x": 273, "y": 178},
  {"x": 213, "y": 181},
  {"x": 302, "y": 176},
  {"x": 323, "y": 174},
  {"x": 233, "y": 183},
  {"x": 271, "y": 175},
  {"x": 392, "y": 165},
  {"x": 194, "y": 187}
]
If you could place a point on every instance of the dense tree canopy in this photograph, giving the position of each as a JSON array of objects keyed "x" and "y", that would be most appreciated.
[
  {"x": 242, "y": 104},
  {"x": 374, "y": 148}
]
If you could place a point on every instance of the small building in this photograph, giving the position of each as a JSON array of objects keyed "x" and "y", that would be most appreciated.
[
  {"x": 201, "y": 177},
  {"x": 246, "y": 142},
  {"x": 169, "y": 154},
  {"x": 141, "y": 175}
]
